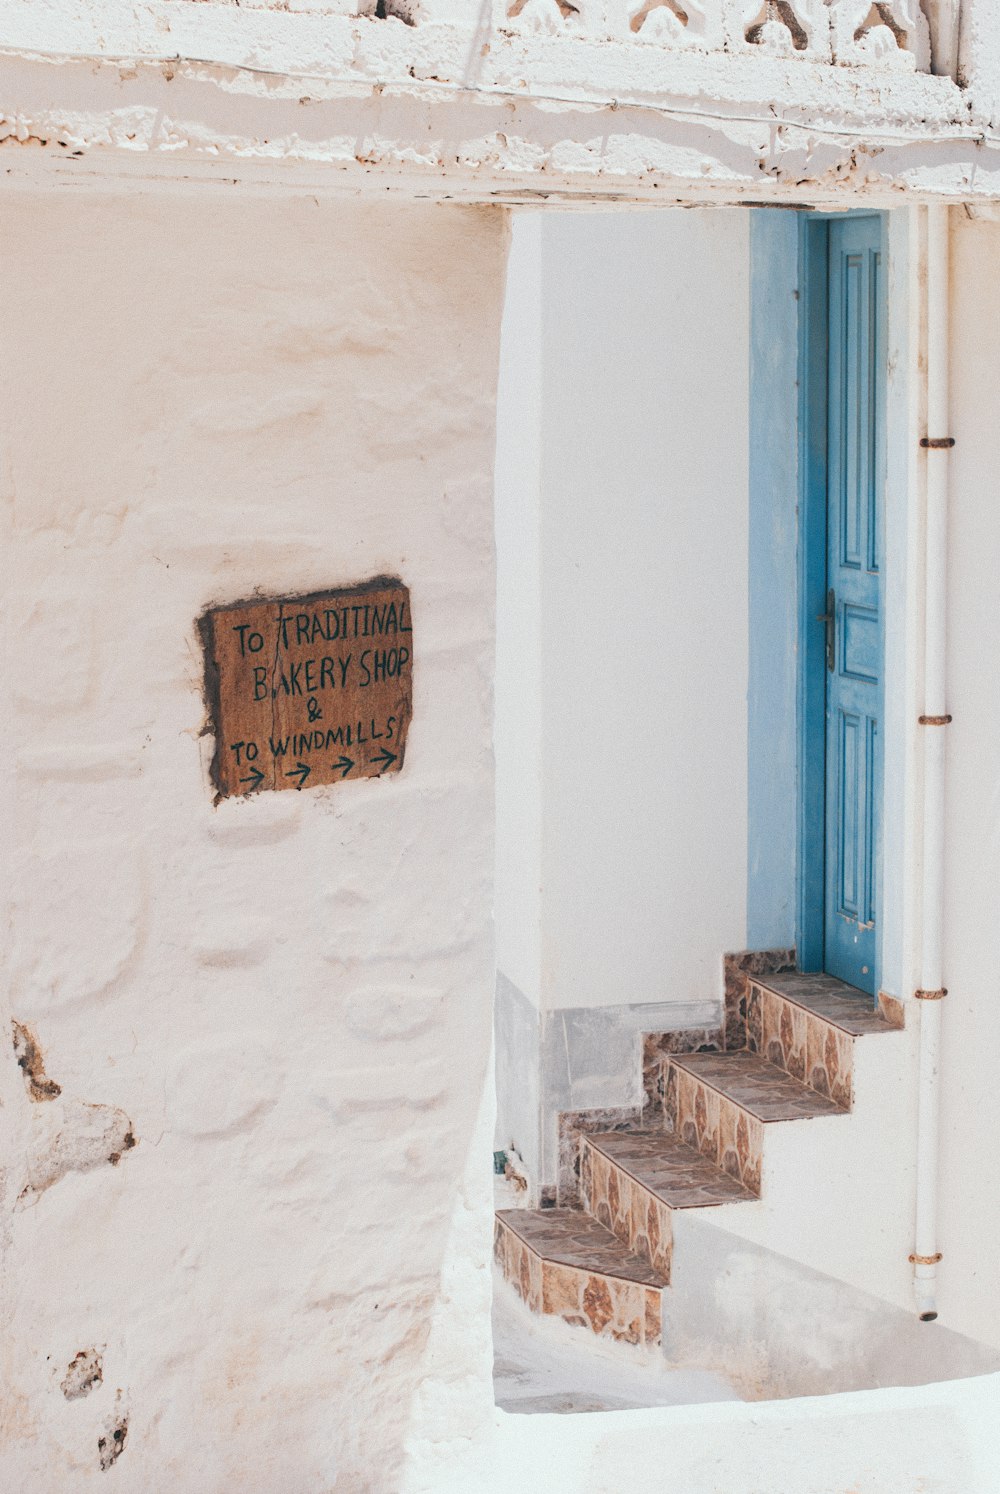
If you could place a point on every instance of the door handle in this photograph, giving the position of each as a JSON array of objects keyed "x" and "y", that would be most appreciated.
[{"x": 829, "y": 617}]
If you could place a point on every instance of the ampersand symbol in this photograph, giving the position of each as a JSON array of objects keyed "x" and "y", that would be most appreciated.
[{"x": 312, "y": 706}]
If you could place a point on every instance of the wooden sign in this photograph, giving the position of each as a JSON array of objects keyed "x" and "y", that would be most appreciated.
[{"x": 309, "y": 690}]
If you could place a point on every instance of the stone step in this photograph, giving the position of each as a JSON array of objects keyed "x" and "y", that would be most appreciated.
[
  {"x": 721, "y": 1102},
  {"x": 565, "y": 1263},
  {"x": 630, "y": 1182},
  {"x": 806, "y": 1025}
]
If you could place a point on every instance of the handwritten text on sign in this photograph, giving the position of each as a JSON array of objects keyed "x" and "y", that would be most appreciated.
[{"x": 309, "y": 690}]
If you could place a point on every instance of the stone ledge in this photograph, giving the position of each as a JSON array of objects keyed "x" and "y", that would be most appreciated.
[{"x": 198, "y": 93}]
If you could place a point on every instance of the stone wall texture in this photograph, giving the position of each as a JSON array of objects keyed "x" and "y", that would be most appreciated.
[{"x": 249, "y": 1042}]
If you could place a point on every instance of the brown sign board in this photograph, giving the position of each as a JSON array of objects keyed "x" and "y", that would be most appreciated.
[{"x": 309, "y": 690}]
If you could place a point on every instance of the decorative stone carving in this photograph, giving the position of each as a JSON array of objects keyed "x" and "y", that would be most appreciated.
[
  {"x": 787, "y": 27},
  {"x": 660, "y": 22},
  {"x": 885, "y": 32},
  {"x": 863, "y": 32},
  {"x": 678, "y": 22},
  {"x": 542, "y": 17},
  {"x": 944, "y": 25},
  {"x": 881, "y": 33},
  {"x": 670, "y": 23}
]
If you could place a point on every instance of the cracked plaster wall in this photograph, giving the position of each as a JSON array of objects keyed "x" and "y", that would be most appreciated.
[{"x": 242, "y": 1096}]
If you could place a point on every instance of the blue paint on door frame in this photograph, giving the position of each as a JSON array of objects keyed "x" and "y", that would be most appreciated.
[
  {"x": 812, "y": 580},
  {"x": 813, "y": 287}
]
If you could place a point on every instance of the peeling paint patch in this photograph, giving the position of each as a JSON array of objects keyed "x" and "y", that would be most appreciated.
[
  {"x": 29, "y": 1057},
  {"x": 86, "y": 1136},
  {"x": 111, "y": 1444},
  {"x": 83, "y": 1373}
]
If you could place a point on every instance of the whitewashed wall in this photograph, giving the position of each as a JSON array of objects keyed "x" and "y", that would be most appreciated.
[
  {"x": 284, "y": 1001},
  {"x": 643, "y": 394},
  {"x": 521, "y": 428}
]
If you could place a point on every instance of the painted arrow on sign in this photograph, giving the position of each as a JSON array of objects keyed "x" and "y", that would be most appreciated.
[
  {"x": 345, "y": 764},
  {"x": 301, "y": 771},
  {"x": 255, "y": 780},
  {"x": 385, "y": 757}
]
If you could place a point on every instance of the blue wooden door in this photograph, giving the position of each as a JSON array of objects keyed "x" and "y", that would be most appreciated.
[{"x": 855, "y": 394}]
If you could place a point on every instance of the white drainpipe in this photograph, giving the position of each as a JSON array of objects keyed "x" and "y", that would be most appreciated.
[{"x": 938, "y": 443}]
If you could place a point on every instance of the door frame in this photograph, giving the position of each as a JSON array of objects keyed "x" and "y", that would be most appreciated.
[{"x": 813, "y": 277}]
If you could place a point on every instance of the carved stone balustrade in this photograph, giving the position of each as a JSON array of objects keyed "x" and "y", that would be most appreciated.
[
  {"x": 879, "y": 33},
  {"x": 875, "y": 33}
]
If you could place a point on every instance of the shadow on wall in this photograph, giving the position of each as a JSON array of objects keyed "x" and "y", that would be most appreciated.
[{"x": 777, "y": 1329}]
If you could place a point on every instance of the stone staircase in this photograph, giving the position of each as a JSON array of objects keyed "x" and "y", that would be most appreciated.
[{"x": 603, "y": 1263}]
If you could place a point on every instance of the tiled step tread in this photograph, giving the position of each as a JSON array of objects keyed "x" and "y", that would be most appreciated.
[
  {"x": 569, "y": 1237},
  {"x": 824, "y": 996},
  {"x": 674, "y": 1173},
  {"x": 766, "y": 1092}
]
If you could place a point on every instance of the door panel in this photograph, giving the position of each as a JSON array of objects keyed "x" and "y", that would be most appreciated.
[{"x": 854, "y": 526}]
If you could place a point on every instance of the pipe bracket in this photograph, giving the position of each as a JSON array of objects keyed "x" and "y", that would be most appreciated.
[
  {"x": 931, "y": 995},
  {"x": 937, "y": 443},
  {"x": 936, "y": 720},
  {"x": 926, "y": 1260}
]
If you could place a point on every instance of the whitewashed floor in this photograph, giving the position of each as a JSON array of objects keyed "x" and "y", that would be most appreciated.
[{"x": 542, "y": 1364}]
